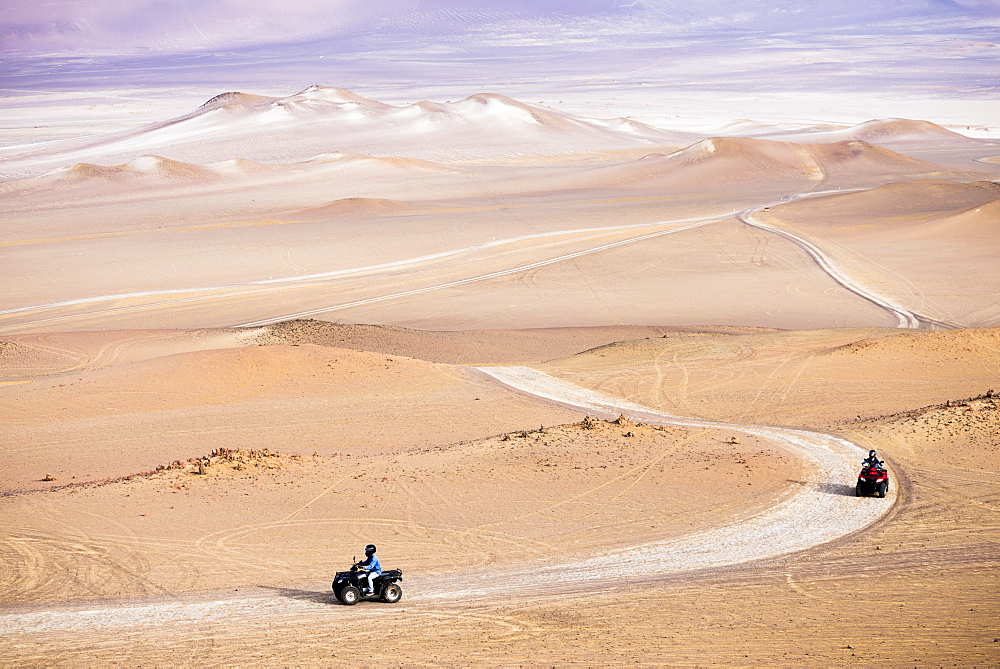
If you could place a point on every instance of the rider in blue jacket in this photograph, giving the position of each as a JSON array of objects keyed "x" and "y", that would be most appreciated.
[
  {"x": 371, "y": 567},
  {"x": 872, "y": 461}
]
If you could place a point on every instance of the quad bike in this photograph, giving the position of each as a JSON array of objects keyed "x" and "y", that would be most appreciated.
[
  {"x": 873, "y": 480},
  {"x": 349, "y": 585}
]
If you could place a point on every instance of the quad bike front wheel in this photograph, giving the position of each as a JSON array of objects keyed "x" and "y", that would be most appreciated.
[
  {"x": 392, "y": 593},
  {"x": 349, "y": 595}
]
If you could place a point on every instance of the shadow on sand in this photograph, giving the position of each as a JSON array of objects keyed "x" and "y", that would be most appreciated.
[
  {"x": 305, "y": 595},
  {"x": 841, "y": 489}
]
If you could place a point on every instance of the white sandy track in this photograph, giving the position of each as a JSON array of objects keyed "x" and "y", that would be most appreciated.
[
  {"x": 819, "y": 510},
  {"x": 906, "y": 318}
]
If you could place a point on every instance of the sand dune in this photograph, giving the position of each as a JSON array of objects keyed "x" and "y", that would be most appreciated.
[
  {"x": 356, "y": 205},
  {"x": 30, "y": 357},
  {"x": 150, "y": 171},
  {"x": 149, "y": 167},
  {"x": 244, "y": 334},
  {"x": 744, "y": 163},
  {"x": 255, "y": 533},
  {"x": 88, "y": 199},
  {"x": 469, "y": 347},
  {"x": 887, "y": 132},
  {"x": 96, "y": 419},
  {"x": 897, "y": 204},
  {"x": 498, "y": 482},
  {"x": 327, "y": 120},
  {"x": 185, "y": 481},
  {"x": 975, "y": 224}
]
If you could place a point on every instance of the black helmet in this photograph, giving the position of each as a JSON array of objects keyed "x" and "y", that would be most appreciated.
[
  {"x": 871, "y": 454},
  {"x": 369, "y": 549}
]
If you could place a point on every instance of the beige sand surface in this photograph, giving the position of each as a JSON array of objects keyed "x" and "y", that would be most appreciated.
[
  {"x": 239, "y": 344},
  {"x": 174, "y": 558},
  {"x": 620, "y": 234},
  {"x": 117, "y": 420},
  {"x": 523, "y": 496}
]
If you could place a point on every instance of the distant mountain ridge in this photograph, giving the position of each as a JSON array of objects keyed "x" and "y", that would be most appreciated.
[
  {"x": 328, "y": 120},
  {"x": 484, "y": 127}
]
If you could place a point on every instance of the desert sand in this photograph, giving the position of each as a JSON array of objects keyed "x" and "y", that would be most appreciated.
[{"x": 599, "y": 388}]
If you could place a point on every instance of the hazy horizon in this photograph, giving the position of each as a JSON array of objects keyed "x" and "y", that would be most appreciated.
[{"x": 725, "y": 59}]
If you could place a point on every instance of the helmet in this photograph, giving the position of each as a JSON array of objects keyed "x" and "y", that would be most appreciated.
[
  {"x": 871, "y": 454},
  {"x": 369, "y": 549}
]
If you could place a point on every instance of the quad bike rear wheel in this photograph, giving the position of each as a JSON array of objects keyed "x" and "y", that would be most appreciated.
[
  {"x": 392, "y": 593},
  {"x": 349, "y": 595}
]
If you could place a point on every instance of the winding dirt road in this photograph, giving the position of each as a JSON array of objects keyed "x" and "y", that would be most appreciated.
[
  {"x": 809, "y": 513},
  {"x": 815, "y": 512},
  {"x": 905, "y": 318}
]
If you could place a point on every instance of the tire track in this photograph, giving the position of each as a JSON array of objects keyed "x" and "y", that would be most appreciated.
[
  {"x": 176, "y": 296},
  {"x": 482, "y": 277}
]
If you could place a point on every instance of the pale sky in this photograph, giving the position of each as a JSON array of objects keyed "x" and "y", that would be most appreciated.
[{"x": 53, "y": 27}]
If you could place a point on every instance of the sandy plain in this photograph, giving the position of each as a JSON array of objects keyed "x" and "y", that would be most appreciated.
[{"x": 242, "y": 343}]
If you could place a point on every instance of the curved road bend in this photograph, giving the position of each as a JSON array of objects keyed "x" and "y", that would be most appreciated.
[
  {"x": 821, "y": 510},
  {"x": 904, "y": 317}
]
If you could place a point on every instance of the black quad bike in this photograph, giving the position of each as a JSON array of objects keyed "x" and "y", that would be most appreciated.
[
  {"x": 349, "y": 585},
  {"x": 873, "y": 480}
]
